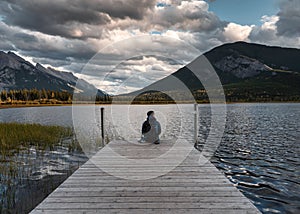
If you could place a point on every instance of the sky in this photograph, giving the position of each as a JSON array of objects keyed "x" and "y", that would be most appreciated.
[
  {"x": 244, "y": 12},
  {"x": 137, "y": 42}
]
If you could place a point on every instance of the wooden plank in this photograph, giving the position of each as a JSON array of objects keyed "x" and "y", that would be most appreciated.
[
  {"x": 119, "y": 181},
  {"x": 143, "y": 211},
  {"x": 104, "y": 177},
  {"x": 137, "y": 174},
  {"x": 149, "y": 189},
  {"x": 147, "y": 170},
  {"x": 144, "y": 199},
  {"x": 166, "y": 205},
  {"x": 65, "y": 192},
  {"x": 188, "y": 188},
  {"x": 149, "y": 184},
  {"x": 135, "y": 199}
]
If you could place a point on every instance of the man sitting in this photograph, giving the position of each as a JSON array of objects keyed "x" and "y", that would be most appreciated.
[{"x": 151, "y": 129}]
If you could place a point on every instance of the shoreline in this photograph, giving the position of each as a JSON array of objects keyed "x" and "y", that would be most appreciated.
[{"x": 7, "y": 106}]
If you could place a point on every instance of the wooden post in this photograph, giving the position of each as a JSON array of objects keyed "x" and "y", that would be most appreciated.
[
  {"x": 102, "y": 125},
  {"x": 195, "y": 123}
]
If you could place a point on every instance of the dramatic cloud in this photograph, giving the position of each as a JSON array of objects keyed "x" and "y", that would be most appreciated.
[
  {"x": 132, "y": 74},
  {"x": 137, "y": 62},
  {"x": 234, "y": 32},
  {"x": 187, "y": 15},
  {"x": 40, "y": 45},
  {"x": 267, "y": 33},
  {"x": 70, "y": 18},
  {"x": 66, "y": 34},
  {"x": 289, "y": 18}
]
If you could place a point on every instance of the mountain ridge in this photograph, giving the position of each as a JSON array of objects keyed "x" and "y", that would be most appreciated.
[
  {"x": 17, "y": 74},
  {"x": 247, "y": 71}
]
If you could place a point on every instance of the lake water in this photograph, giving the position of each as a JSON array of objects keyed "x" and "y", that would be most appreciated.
[{"x": 259, "y": 151}]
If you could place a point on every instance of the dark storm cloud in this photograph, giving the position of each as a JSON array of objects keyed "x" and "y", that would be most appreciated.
[
  {"x": 289, "y": 18},
  {"x": 120, "y": 8},
  {"x": 50, "y": 17},
  {"x": 79, "y": 54},
  {"x": 67, "y": 33},
  {"x": 25, "y": 37},
  {"x": 64, "y": 17},
  {"x": 40, "y": 46}
]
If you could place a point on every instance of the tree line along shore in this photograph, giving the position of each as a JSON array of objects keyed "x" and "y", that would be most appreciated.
[{"x": 35, "y": 97}]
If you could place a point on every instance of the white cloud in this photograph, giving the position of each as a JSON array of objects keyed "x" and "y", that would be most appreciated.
[
  {"x": 235, "y": 32},
  {"x": 269, "y": 22},
  {"x": 268, "y": 34},
  {"x": 130, "y": 75}
]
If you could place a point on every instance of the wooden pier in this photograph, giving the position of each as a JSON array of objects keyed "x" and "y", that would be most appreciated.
[{"x": 189, "y": 187}]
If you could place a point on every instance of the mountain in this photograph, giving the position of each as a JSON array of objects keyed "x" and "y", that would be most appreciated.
[
  {"x": 17, "y": 73},
  {"x": 248, "y": 72}
]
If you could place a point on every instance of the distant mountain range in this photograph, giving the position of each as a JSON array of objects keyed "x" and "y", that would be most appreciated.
[
  {"x": 16, "y": 74},
  {"x": 248, "y": 72}
]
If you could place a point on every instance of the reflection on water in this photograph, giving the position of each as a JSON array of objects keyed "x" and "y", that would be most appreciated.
[
  {"x": 61, "y": 116},
  {"x": 259, "y": 152},
  {"x": 30, "y": 175}
]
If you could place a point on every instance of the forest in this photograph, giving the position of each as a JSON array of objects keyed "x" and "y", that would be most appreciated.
[
  {"x": 35, "y": 96},
  {"x": 233, "y": 94}
]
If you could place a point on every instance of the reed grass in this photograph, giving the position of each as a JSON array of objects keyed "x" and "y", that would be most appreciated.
[
  {"x": 28, "y": 143},
  {"x": 16, "y": 136}
]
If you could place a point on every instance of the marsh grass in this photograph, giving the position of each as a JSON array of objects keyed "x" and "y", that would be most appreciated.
[
  {"x": 15, "y": 137},
  {"x": 24, "y": 149}
]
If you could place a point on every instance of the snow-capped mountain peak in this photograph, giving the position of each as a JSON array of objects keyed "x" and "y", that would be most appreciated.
[{"x": 17, "y": 73}]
